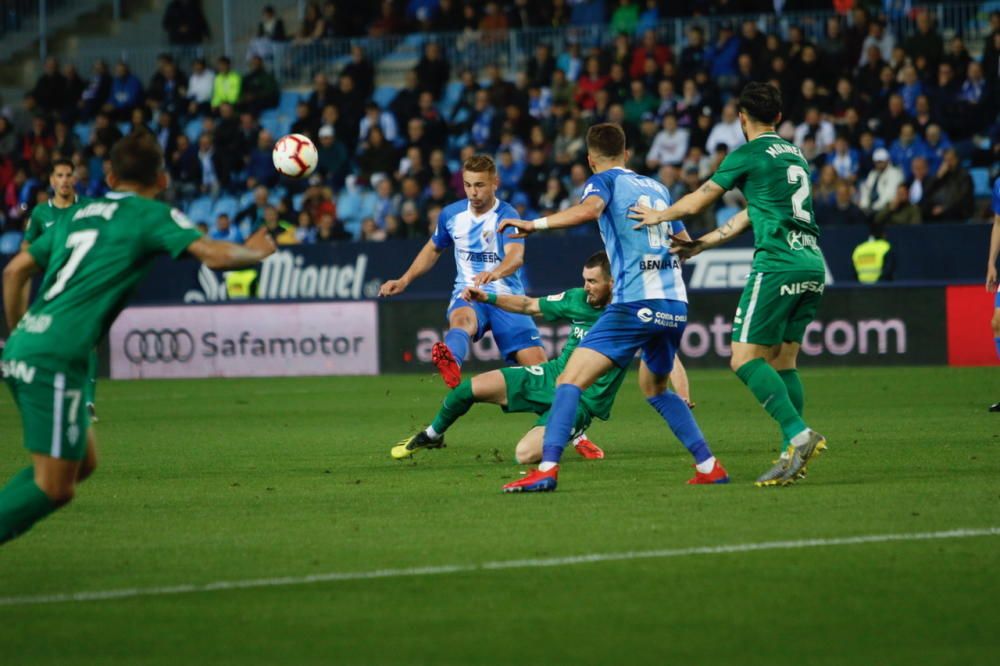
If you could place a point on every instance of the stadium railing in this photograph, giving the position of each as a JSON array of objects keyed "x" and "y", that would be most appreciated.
[{"x": 295, "y": 64}]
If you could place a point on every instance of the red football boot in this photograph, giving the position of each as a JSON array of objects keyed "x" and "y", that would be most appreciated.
[
  {"x": 535, "y": 482},
  {"x": 450, "y": 371},
  {"x": 717, "y": 475},
  {"x": 588, "y": 449}
]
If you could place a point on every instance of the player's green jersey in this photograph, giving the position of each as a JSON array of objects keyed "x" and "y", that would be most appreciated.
[
  {"x": 93, "y": 261},
  {"x": 572, "y": 306},
  {"x": 774, "y": 177},
  {"x": 46, "y": 215}
]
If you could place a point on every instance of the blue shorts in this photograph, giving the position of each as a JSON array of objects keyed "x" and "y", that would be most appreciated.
[
  {"x": 512, "y": 332},
  {"x": 996, "y": 299},
  {"x": 654, "y": 326}
]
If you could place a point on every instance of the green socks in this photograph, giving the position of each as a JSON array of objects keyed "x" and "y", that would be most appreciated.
[
  {"x": 22, "y": 504},
  {"x": 795, "y": 391},
  {"x": 767, "y": 386},
  {"x": 456, "y": 404}
]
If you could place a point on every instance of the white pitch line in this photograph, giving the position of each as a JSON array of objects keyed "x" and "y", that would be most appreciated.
[{"x": 127, "y": 593}]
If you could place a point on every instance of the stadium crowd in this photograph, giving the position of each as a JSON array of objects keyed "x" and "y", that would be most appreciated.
[{"x": 891, "y": 124}]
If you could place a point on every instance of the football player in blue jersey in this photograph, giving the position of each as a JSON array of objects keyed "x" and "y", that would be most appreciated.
[
  {"x": 648, "y": 311},
  {"x": 484, "y": 258},
  {"x": 992, "y": 285}
]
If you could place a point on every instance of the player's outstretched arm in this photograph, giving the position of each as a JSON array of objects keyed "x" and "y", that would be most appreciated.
[
  {"x": 510, "y": 303},
  {"x": 222, "y": 255},
  {"x": 513, "y": 259},
  {"x": 991, "y": 266},
  {"x": 685, "y": 248},
  {"x": 422, "y": 263},
  {"x": 587, "y": 210},
  {"x": 689, "y": 204},
  {"x": 16, "y": 285}
]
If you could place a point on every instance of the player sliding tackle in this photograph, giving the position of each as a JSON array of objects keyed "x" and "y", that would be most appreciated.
[
  {"x": 787, "y": 275},
  {"x": 648, "y": 308},
  {"x": 530, "y": 389},
  {"x": 93, "y": 260},
  {"x": 483, "y": 258}
]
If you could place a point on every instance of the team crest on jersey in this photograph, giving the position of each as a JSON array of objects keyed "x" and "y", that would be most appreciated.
[{"x": 488, "y": 236}]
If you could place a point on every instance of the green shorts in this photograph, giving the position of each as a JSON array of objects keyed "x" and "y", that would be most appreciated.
[
  {"x": 777, "y": 307},
  {"x": 53, "y": 409},
  {"x": 531, "y": 389}
]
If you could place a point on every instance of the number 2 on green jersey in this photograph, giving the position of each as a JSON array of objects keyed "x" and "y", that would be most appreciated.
[
  {"x": 81, "y": 242},
  {"x": 797, "y": 174}
]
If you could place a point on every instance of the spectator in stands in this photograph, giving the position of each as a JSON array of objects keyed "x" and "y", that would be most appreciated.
[
  {"x": 925, "y": 42},
  {"x": 920, "y": 181},
  {"x": 900, "y": 210},
  {"x": 304, "y": 122},
  {"x": 541, "y": 66},
  {"x": 362, "y": 71},
  {"x": 670, "y": 145},
  {"x": 209, "y": 161},
  {"x": 977, "y": 109},
  {"x": 589, "y": 83},
  {"x": 892, "y": 120},
  {"x": 259, "y": 89},
  {"x": 185, "y": 168},
  {"x": 229, "y": 144},
  {"x": 105, "y": 132},
  {"x": 371, "y": 231},
  {"x": 722, "y": 57},
  {"x": 167, "y": 88},
  {"x": 305, "y": 230},
  {"x": 166, "y": 132},
  {"x": 639, "y": 103},
  {"x": 817, "y": 127},
  {"x": 879, "y": 188},
  {"x": 388, "y": 23},
  {"x": 271, "y": 27},
  {"x": 312, "y": 28},
  {"x": 251, "y": 217},
  {"x": 330, "y": 230},
  {"x": 844, "y": 159},
  {"x": 259, "y": 165},
  {"x": 433, "y": 71},
  {"x": 910, "y": 88},
  {"x": 98, "y": 89},
  {"x": 405, "y": 104},
  {"x": 227, "y": 84},
  {"x": 75, "y": 86},
  {"x": 39, "y": 135},
  {"x": 225, "y": 231},
  {"x": 727, "y": 131},
  {"x": 879, "y": 37},
  {"x": 185, "y": 23},
  {"x": 843, "y": 210},
  {"x": 50, "y": 88},
  {"x": 355, "y": 203},
  {"x": 377, "y": 155},
  {"x": 946, "y": 105},
  {"x": 825, "y": 190},
  {"x": 949, "y": 197},
  {"x": 126, "y": 92},
  {"x": 8, "y": 144},
  {"x": 386, "y": 201},
  {"x": 906, "y": 148},
  {"x": 200, "y": 87}
]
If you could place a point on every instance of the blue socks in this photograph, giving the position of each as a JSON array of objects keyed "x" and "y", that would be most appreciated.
[
  {"x": 678, "y": 416},
  {"x": 560, "y": 424},
  {"x": 458, "y": 342},
  {"x": 997, "y": 341}
]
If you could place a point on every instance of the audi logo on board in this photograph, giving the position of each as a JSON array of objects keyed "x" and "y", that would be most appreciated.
[{"x": 159, "y": 345}]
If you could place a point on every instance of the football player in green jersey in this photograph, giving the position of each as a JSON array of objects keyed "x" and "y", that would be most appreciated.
[
  {"x": 531, "y": 388},
  {"x": 93, "y": 260},
  {"x": 787, "y": 276},
  {"x": 43, "y": 217}
]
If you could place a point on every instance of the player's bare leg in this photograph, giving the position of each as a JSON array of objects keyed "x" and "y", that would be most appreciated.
[
  {"x": 679, "y": 382},
  {"x": 675, "y": 411},
  {"x": 488, "y": 387},
  {"x": 89, "y": 463},
  {"x": 530, "y": 356},
  {"x": 449, "y": 355},
  {"x": 529, "y": 449},
  {"x": 755, "y": 366}
]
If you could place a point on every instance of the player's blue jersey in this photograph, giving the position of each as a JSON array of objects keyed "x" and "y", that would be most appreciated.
[
  {"x": 478, "y": 246},
  {"x": 996, "y": 196},
  {"x": 641, "y": 263}
]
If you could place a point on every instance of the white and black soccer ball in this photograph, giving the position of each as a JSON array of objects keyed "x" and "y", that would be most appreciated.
[{"x": 295, "y": 156}]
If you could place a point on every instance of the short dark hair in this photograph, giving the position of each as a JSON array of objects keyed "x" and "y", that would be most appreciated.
[
  {"x": 63, "y": 161},
  {"x": 479, "y": 163},
  {"x": 761, "y": 101},
  {"x": 606, "y": 139},
  {"x": 599, "y": 259},
  {"x": 137, "y": 158}
]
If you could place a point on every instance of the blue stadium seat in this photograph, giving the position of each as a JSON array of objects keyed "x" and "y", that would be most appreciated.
[
  {"x": 82, "y": 131},
  {"x": 124, "y": 128},
  {"x": 271, "y": 121},
  {"x": 225, "y": 205},
  {"x": 288, "y": 101},
  {"x": 193, "y": 129},
  {"x": 383, "y": 95},
  {"x": 724, "y": 213},
  {"x": 297, "y": 200},
  {"x": 246, "y": 199},
  {"x": 200, "y": 210},
  {"x": 981, "y": 181}
]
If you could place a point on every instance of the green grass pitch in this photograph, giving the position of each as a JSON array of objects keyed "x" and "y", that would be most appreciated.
[{"x": 225, "y": 480}]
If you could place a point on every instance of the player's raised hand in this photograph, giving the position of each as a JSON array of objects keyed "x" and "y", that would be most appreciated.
[
  {"x": 991, "y": 279},
  {"x": 484, "y": 278},
  {"x": 685, "y": 248},
  {"x": 646, "y": 216},
  {"x": 392, "y": 287},
  {"x": 524, "y": 227},
  {"x": 473, "y": 295}
]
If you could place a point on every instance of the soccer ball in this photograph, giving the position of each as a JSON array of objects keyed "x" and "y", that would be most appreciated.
[{"x": 294, "y": 156}]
